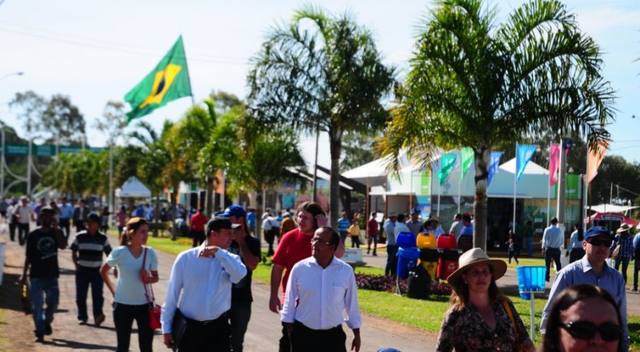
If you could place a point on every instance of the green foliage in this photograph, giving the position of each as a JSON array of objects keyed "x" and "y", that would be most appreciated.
[
  {"x": 476, "y": 83},
  {"x": 330, "y": 78},
  {"x": 75, "y": 173},
  {"x": 358, "y": 149}
]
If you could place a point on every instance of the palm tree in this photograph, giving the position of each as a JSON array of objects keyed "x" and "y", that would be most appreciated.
[
  {"x": 331, "y": 79},
  {"x": 475, "y": 83}
]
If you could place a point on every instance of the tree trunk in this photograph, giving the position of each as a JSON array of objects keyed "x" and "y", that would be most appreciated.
[
  {"x": 482, "y": 157},
  {"x": 335, "y": 140},
  {"x": 209, "y": 197},
  {"x": 156, "y": 215}
]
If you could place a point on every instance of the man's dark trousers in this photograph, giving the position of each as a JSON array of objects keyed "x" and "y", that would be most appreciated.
[
  {"x": 210, "y": 336},
  {"x": 23, "y": 231},
  {"x": 636, "y": 268},
  {"x": 84, "y": 278},
  {"x": 304, "y": 339},
  {"x": 549, "y": 255},
  {"x": 239, "y": 316},
  {"x": 390, "y": 269},
  {"x": 65, "y": 224}
]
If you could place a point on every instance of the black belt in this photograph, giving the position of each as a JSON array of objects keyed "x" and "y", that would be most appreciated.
[
  {"x": 221, "y": 319},
  {"x": 548, "y": 248}
]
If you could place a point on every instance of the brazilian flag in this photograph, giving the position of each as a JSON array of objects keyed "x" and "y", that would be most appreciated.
[{"x": 168, "y": 81}]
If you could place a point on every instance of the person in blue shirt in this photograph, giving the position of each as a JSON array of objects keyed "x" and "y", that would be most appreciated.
[
  {"x": 625, "y": 253},
  {"x": 636, "y": 262},
  {"x": 593, "y": 270},
  {"x": 251, "y": 221},
  {"x": 389, "y": 230},
  {"x": 343, "y": 226},
  {"x": 66, "y": 213}
]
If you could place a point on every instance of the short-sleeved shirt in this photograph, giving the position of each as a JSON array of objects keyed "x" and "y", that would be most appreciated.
[
  {"x": 130, "y": 289},
  {"x": 293, "y": 247},
  {"x": 241, "y": 292},
  {"x": 372, "y": 227},
  {"x": 198, "y": 221},
  {"x": 465, "y": 330},
  {"x": 90, "y": 249},
  {"x": 24, "y": 214},
  {"x": 42, "y": 251}
]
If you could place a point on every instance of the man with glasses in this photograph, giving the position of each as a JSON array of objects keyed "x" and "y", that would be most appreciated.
[
  {"x": 320, "y": 290},
  {"x": 592, "y": 270}
]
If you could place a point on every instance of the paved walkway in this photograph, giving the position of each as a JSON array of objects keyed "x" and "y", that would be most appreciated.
[{"x": 262, "y": 335}]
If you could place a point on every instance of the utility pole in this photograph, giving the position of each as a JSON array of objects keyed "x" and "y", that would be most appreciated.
[
  {"x": 315, "y": 164},
  {"x": 561, "y": 185}
]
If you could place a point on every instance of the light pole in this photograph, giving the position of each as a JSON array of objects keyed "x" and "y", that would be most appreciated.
[{"x": 2, "y": 160}]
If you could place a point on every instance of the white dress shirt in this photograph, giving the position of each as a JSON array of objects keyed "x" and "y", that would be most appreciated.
[
  {"x": 318, "y": 297},
  {"x": 200, "y": 286},
  {"x": 552, "y": 237}
]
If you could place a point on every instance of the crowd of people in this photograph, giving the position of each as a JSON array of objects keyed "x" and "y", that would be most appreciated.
[{"x": 208, "y": 301}]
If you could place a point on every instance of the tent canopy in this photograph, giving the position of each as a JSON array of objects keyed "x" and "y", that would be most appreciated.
[
  {"x": 611, "y": 208},
  {"x": 133, "y": 188}
]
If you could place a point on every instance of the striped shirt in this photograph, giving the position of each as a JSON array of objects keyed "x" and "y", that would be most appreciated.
[{"x": 90, "y": 249}]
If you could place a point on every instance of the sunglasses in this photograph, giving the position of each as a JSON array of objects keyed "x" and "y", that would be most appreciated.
[
  {"x": 586, "y": 330},
  {"x": 597, "y": 242}
]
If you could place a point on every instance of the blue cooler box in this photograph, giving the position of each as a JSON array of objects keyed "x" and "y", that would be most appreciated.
[
  {"x": 407, "y": 260},
  {"x": 530, "y": 278}
]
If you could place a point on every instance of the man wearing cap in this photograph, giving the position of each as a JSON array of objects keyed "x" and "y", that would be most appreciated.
[
  {"x": 200, "y": 287},
  {"x": 592, "y": 270},
  {"x": 86, "y": 252},
  {"x": 552, "y": 240},
  {"x": 320, "y": 290},
  {"x": 625, "y": 252},
  {"x": 248, "y": 248},
  {"x": 41, "y": 262}
]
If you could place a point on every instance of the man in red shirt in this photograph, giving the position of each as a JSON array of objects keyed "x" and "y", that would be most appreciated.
[
  {"x": 198, "y": 222},
  {"x": 373, "y": 229},
  {"x": 294, "y": 246}
]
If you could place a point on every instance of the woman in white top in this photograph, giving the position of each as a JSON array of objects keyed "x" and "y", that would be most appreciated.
[{"x": 131, "y": 301}]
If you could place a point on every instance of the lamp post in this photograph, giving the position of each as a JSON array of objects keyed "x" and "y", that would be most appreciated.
[{"x": 2, "y": 159}]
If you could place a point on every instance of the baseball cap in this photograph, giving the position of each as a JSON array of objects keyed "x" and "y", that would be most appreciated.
[
  {"x": 596, "y": 231},
  {"x": 234, "y": 210},
  {"x": 219, "y": 222},
  {"x": 46, "y": 209},
  {"x": 93, "y": 217}
]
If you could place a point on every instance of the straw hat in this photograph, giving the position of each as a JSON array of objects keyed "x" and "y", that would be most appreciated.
[
  {"x": 475, "y": 256},
  {"x": 623, "y": 228}
]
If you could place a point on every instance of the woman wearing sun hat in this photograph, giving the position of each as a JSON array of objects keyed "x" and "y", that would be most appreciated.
[{"x": 480, "y": 317}]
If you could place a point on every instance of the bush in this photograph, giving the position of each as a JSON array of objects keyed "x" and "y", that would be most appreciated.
[{"x": 388, "y": 284}]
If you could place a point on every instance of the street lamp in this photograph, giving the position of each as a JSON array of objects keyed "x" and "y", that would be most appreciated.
[{"x": 19, "y": 73}]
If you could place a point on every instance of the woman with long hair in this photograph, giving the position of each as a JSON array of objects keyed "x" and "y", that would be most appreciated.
[
  {"x": 137, "y": 267},
  {"x": 480, "y": 317},
  {"x": 584, "y": 317}
]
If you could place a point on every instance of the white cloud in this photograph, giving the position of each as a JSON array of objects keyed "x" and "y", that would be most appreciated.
[{"x": 597, "y": 20}]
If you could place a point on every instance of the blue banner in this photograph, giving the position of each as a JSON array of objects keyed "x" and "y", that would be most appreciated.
[
  {"x": 524, "y": 152},
  {"x": 493, "y": 166}
]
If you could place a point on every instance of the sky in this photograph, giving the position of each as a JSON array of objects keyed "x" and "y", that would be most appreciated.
[{"x": 96, "y": 51}]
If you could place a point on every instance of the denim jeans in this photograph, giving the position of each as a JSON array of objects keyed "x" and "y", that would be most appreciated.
[
  {"x": 392, "y": 261},
  {"x": 625, "y": 265},
  {"x": 43, "y": 290},
  {"x": 23, "y": 231},
  {"x": 636, "y": 268},
  {"x": 239, "y": 314},
  {"x": 529, "y": 244},
  {"x": 84, "y": 278}
]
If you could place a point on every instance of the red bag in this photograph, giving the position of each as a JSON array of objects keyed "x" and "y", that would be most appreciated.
[{"x": 154, "y": 309}]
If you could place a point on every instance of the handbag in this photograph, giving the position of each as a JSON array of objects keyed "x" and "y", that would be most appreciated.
[
  {"x": 507, "y": 309},
  {"x": 154, "y": 309}
]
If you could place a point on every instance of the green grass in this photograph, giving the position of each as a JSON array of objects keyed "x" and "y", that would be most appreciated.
[{"x": 422, "y": 314}]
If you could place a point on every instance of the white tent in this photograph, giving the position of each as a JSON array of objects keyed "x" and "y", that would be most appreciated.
[
  {"x": 611, "y": 208},
  {"x": 133, "y": 188}
]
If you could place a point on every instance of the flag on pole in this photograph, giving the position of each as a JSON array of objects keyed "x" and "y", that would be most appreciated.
[
  {"x": 168, "y": 81},
  {"x": 524, "y": 152},
  {"x": 493, "y": 166},
  {"x": 466, "y": 159},
  {"x": 594, "y": 159},
  {"x": 554, "y": 163},
  {"x": 447, "y": 163}
]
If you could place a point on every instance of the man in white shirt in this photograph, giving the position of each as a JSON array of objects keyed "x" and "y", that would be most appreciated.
[
  {"x": 552, "y": 240},
  {"x": 200, "y": 287},
  {"x": 320, "y": 290}
]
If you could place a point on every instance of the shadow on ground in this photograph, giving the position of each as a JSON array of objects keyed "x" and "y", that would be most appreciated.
[
  {"x": 77, "y": 345},
  {"x": 10, "y": 292}
]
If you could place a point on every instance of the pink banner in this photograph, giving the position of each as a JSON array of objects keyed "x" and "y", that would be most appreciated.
[{"x": 554, "y": 163}]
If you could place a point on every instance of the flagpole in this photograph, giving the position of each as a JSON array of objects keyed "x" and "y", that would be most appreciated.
[
  {"x": 460, "y": 182},
  {"x": 515, "y": 188},
  {"x": 549, "y": 187}
]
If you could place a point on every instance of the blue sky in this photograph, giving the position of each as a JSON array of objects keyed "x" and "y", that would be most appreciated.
[{"x": 95, "y": 51}]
